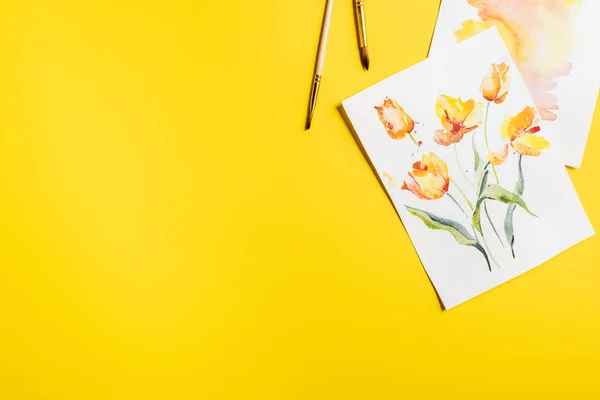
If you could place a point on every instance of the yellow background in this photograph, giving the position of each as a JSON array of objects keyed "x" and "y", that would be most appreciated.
[{"x": 168, "y": 230}]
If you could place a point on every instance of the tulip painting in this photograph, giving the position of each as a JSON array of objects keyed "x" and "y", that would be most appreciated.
[
  {"x": 521, "y": 130},
  {"x": 457, "y": 117},
  {"x": 483, "y": 195},
  {"x": 397, "y": 123},
  {"x": 495, "y": 84},
  {"x": 430, "y": 180}
]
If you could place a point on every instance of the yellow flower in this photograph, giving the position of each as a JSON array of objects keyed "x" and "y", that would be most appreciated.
[
  {"x": 495, "y": 84},
  {"x": 396, "y": 121},
  {"x": 521, "y": 133},
  {"x": 498, "y": 158},
  {"x": 470, "y": 28},
  {"x": 429, "y": 178},
  {"x": 457, "y": 117}
]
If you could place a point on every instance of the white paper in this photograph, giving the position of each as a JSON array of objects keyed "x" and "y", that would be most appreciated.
[
  {"x": 553, "y": 42},
  {"x": 460, "y": 272}
]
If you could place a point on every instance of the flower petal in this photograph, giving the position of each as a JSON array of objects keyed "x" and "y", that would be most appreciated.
[
  {"x": 445, "y": 137},
  {"x": 530, "y": 145},
  {"x": 491, "y": 84},
  {"x": 454, "y": 110},
  {"x": 440, "y": 165},
  {"x": 500, "y": 157},
  {"x": 413, "y": 186},
  {"x": 513, "y": 127},
  {"x": 432, "y": 185},
  {"x": 475, "y": 118},
  {"x": 504, "y": 81},
  {"x": 501, "y": 98}
]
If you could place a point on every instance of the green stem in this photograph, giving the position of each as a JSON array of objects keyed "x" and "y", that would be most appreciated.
[
  {"x": 487, "y": 112},
  {"x": 462, "y": 193},
  {"x": 487, "y": 142},
  {"x": 491, "y": 223},
  {"x": 495, "y": 174},
  {"x": 465, "y": 214},
  {"x": 459, "y": 206},
  {"x": 462, "y": 171},
  {"x": 413, "y": 139}
]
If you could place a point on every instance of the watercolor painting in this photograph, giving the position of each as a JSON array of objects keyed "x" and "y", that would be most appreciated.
[
  {"x": 551, "y": 42},
  {"x": 429, "y": 178},
  {"x": 470, "y": 166}
]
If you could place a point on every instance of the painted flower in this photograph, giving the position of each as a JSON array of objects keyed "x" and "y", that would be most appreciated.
[
  {"x": 498, "y": 158},
  {"x": 521, "y": 130},
  {"x": 396, "y": 121},
  {"x": 458, "y": 118},
  {"x": 495, "y": 84},
  {"x": 429, "y": 178}
]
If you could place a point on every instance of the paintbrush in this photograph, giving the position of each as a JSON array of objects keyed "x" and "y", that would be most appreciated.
[
  {"x": 320, "y": 62},
  {"x": 362, "y": 32}
]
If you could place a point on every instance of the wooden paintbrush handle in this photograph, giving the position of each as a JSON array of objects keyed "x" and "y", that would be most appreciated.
[{"x": 323, "y": 40}]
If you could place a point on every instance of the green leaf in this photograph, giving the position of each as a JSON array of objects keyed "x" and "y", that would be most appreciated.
[
  {"x": 458, "y": 231},
  {"x": 509, "y": 230},
  {"x": 487, "y": 214},
  {"x": 482, "y": 251},
  {"x": 484, "y": 181},
  {"x": 497, "y": 193},
  {"x": 476, "y": 219},
  {"x": 508, "y": 220},
  {"x": 477, "y": 157}
]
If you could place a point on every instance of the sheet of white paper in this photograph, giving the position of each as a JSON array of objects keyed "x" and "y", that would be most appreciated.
[
  {"x": 555, "y": 45},
  {"x": 460, "y": 272}
]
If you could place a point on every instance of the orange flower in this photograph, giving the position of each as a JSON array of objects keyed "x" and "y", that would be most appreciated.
[
  {"x": 520, "y": 132},
  {"x": 396, "y": 121},
  {"x": 429, "y": 178},
  {"x": 457, "y": 117},
  {"x": 498, "y": 158},
  {"x": 494, "y": 86}
]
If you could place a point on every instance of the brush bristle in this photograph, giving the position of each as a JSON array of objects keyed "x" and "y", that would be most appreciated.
[{"x": 364, "y": 57}]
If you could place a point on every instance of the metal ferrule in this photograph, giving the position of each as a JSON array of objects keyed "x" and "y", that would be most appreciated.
[{"x": 314, "y": 92}]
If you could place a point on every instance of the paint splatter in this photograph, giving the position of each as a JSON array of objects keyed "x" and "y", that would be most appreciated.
[{"x": 389, "y": 179}]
